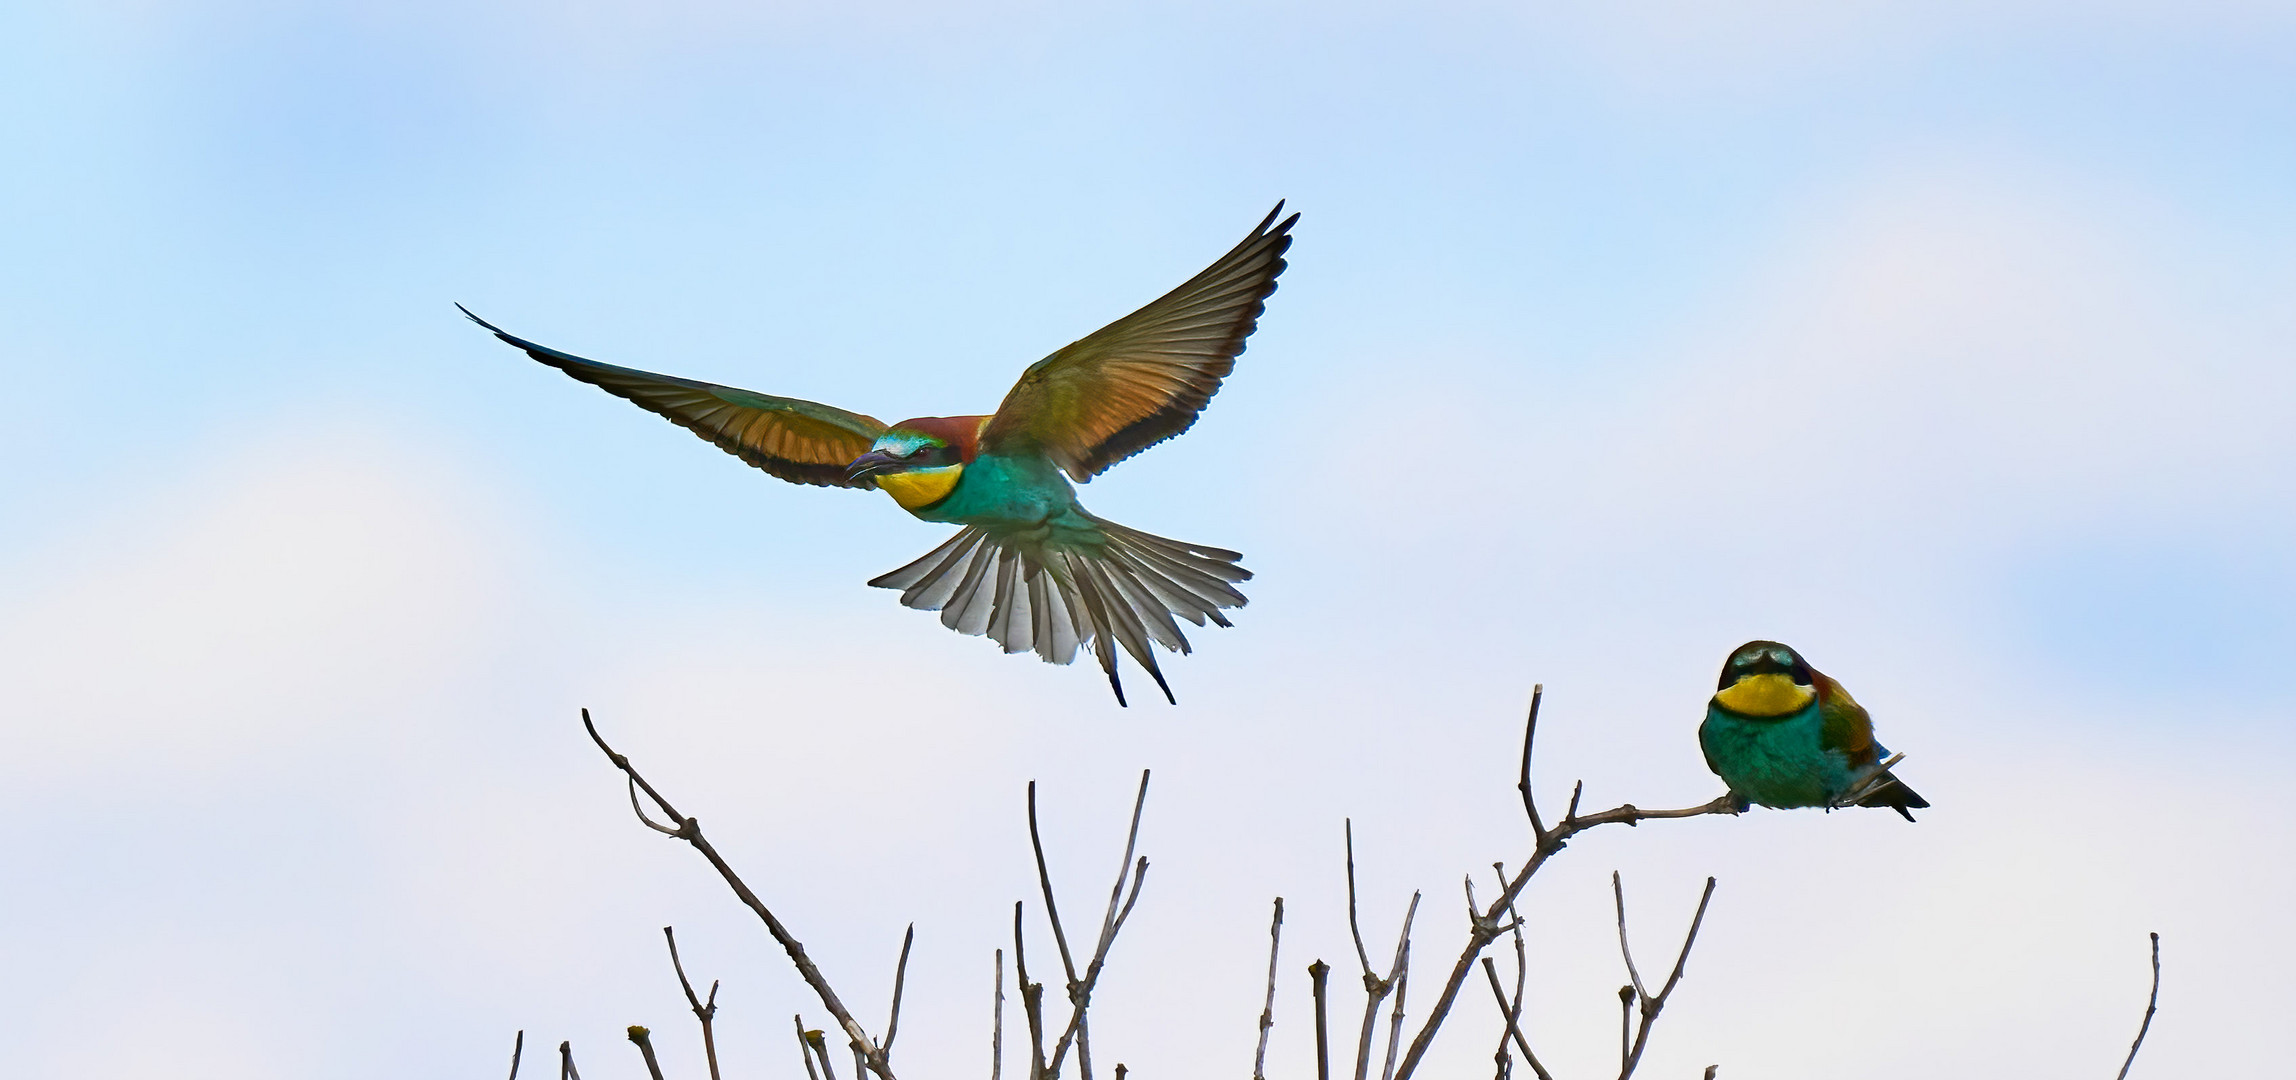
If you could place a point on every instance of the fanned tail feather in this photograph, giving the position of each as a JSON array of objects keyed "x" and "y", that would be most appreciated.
[{"x": 1027, "y": 592}]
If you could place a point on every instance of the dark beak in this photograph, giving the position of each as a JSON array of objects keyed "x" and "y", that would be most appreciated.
[{"x": 871, "y": 464}]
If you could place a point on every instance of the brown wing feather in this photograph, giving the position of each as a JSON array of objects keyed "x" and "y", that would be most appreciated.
[
  {"x": 1844, "y": 724},
  {"x": 800, "y": 441},
  {"x": 1142, "y": 379}
]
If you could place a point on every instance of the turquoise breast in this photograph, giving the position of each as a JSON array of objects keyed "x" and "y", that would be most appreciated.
[{"x": 1774, "y": 761}]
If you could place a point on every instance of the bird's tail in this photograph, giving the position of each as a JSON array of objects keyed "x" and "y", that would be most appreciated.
[
  {"x": 1117, "y": 587},
  {"x": 1894, "y": 794}
]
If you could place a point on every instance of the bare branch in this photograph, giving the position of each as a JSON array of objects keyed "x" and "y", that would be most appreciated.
[
  {"x": 1317, "y": 971},
  {"x": 640, "y": 810},
  {"x": 1487, "y": 927},
  {"x": 1523, "y": 785},
  {"x": 2151, "y": 1004},
  {"x": 996, "y": 1033},
  {"x": 1268, "y": 1011},
  {"x": 645, "y": 1041},
  {"x": 805, "y": 1048},
  {"x": 517, "y": 1047},
  {"x": 1618, "y": 894},
  {"x": 900, "y": 977},
  {"x": 702, "y": 1012},
  {"x": 566, "y": 1069},
  {"x": 1044, "y": 880},
  {"x": 1650, "y": 1005},
  {"x": 1625, "y": 1024},
  {"x": 690, "y": 831},
  {"x": 1876, "y": 780},
  {"x": 1031, "y": 997},
  {"x": 1354, "y": 927},
  {"x": 1111, "y": 923},
  {"x": 1512, "y": 1015},
  {"x": 1395, "y": 1019},
  {"x": 816, "y": 1041},
  {"x": 1376, "y": 990}
]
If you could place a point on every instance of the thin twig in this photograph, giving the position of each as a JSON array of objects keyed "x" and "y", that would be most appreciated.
[
  {"x": 1512, "y": 1016},
  {"x": 1618, "y": 895},
  {"x": 645, "y": 1041},
  {"x": 900, "y": 977},
  {"x": 1318, "y": 971},
  {"x": 996, "y": 1032},
  {"x": 1268, "y": 1010},
  {"x": 1111, "y": 923},
  {"x": 566, "y": 1069},
  {"x": 2151, "y": 1003},
  {"x": 1487, "y": 926},
  {"x": 704, "y": 1012},
  {"x": 1044, "y": 880},
  {"x": 1523, "y": 785},
  {"x": 1031, "y": 997},
  {"x": 1515, "y": 1008},
  {"x": 1395, "y": 1019},
  {"x": 1650, "y": 1004},
  {"x": 1376, "y": 991},
  {"x": 1353, "y": 927},
  {"x": 817, "y": 1041},
  {"x": 805, "y": 1048},
  {"x": 517, "y": 1047},
  {"x": 1625, "y": 1024},
  {"x": 1876, "y": 780},
  {"x": 690, "y": 831}
]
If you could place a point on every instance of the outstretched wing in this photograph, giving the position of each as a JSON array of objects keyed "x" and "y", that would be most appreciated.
[
  {"x": 1844, "y": 724},
  {"x": 1142, "y": 379},
  {"x": 798, "y": 441}
]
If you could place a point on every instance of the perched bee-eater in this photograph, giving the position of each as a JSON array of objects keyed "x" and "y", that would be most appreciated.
[
  {"x": 1030, "y": 567},
  {"x": 1781, "y": 734}
]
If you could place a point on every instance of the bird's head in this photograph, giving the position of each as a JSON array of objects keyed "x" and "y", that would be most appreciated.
[
  {"x": 1765, "y": 678},
  {"x": 919, "y": 461}
]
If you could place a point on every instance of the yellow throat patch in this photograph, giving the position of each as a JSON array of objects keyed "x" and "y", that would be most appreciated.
[
  {"x": 1766, "y": 695},
  {"x": 920, "y": 487}
]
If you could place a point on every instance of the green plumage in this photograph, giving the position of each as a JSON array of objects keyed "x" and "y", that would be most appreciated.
[
  {"x": 1782, "y": 734},
  {"x": 1030, "y": 568}
]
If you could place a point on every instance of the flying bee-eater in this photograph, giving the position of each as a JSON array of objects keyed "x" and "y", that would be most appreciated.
[
  {"x": 1782, "y": 734},
  {"x": 1030, "y": 567}
]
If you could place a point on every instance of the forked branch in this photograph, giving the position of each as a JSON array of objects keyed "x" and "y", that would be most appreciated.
[
  {"x": 690, "y": 831},
  {"x": 1486, "y": 925},
  {"x": 703, "y": 1011},
  {"x": 1636, "y": 995}
]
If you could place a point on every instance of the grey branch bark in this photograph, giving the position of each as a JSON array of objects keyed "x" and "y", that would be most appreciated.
[
  {"x": 1268, "y": 1010},
  {"x": 900, "y": 978},
  {"x": 704, "y": 1012},
  {"x": 1318, "y": 972},
  {"x": 645, "y": 1042},
  {"x": 2152, "y": 1003},
  {"x": 1547, "y": 841},
  {"x": 690, "y": 831},
  {"x": 1078, "y": 1032},
  {"x": 996, "y": 1031},
  {"x": 1636, "y": 995}
]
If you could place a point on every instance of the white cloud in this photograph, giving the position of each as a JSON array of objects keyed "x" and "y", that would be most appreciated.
[{"x": 250, "y": 605}]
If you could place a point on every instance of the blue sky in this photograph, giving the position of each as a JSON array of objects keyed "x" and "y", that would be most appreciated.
[{"x": 1948, "y": 342}]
